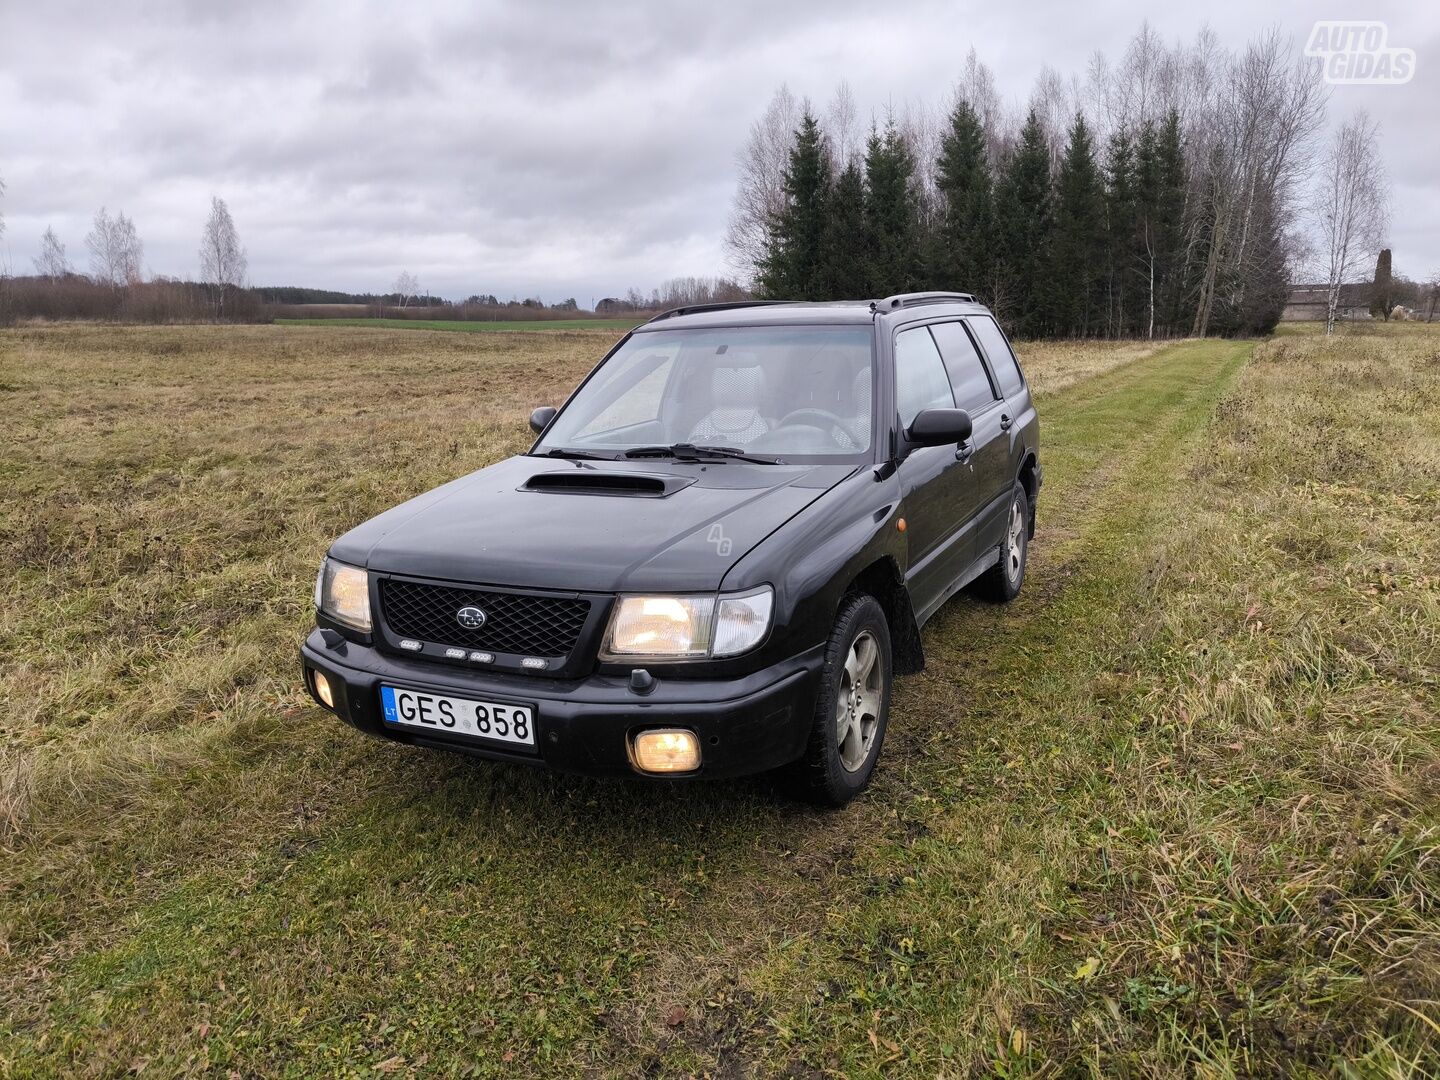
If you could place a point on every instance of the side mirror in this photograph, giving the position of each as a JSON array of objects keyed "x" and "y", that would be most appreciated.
[
  {"x": 939, "y": 427},
  {"x": 541, "y": 417}
]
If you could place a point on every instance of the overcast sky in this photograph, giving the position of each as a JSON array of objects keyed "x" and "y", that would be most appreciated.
[{"x": 560, "y": 149}]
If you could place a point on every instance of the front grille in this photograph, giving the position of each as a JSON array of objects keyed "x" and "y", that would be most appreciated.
[{"x": 514, "y": 623}]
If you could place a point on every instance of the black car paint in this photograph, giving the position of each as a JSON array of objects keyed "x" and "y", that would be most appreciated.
[{"x": 811, "y": 531}]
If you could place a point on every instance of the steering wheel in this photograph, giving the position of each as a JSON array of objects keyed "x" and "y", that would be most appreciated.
[{"x": 829, "y": 418}]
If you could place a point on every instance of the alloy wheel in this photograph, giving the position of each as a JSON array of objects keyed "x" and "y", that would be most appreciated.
[
  {"x": 857, "y": 705},
  {"x": 1015, "y": 543}
]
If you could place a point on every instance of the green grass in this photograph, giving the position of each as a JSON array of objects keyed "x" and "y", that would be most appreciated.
[
  {"x": 1172, "y": 812},
  {"x": 618, "y": 325}
]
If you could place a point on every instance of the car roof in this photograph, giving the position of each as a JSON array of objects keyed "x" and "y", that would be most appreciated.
[{"x": 798, "y": 313}]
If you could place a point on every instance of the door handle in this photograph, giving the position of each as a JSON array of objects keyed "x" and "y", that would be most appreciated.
[
  {"x": 964, "y": 450},
  {"x": 1005, "y": 422}
]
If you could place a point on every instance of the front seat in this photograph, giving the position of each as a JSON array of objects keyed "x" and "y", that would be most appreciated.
[{"x": 736, "y": 394}]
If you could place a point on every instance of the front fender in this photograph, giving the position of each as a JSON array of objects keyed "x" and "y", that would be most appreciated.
[{"x": 813, "y": 559}]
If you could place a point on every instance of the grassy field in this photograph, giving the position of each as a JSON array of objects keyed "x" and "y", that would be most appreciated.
[
  {"x": 1172, "y": 812},
  {"x": 617, "y": 325}
]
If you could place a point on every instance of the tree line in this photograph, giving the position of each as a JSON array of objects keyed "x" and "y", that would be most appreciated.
[
  {"x": 116, "y": 286},
  {"x": 1162, "y": 196}
]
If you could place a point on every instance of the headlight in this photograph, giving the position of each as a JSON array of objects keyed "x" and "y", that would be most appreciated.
[
  {"x": 342, "y": 593},
  {"x": 688, "y": 627}
]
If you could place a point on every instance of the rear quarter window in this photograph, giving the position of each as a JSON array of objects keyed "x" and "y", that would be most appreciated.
[
  {"x": 973, "y": 391},
  {"x": 997, "y": 351}
]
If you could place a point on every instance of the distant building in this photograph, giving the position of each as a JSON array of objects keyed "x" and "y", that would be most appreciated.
[{"x": 1307, "y": 303}]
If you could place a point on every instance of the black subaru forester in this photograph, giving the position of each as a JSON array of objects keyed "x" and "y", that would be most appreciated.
[{"x": 715, "y": 557}]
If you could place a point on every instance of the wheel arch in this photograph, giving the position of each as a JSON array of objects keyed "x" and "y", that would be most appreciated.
[
  {"x": 1029, "y": 478},
  {"x": 882, "y": 580}
]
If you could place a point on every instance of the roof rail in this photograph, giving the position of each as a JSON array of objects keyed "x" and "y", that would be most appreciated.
[
  {"x": 914, "y": 299},
  {"x": 693, "y": 309}
]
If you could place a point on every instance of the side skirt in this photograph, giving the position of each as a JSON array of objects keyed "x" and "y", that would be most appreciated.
[{"x": 974, "y": 570}]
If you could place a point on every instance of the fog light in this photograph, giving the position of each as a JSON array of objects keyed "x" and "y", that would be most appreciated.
[
  {"x": 323, "y": 691},
  {"x": 667, "y": 751}
]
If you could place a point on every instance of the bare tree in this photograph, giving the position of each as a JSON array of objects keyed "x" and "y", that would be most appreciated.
[
  {"x": 760, "y": 192},
  {"x": 7, "y": 314},
  {"x": 976, "y": 87},
  {"x": 51, "y": 262},
  {"x": 841, "y": 130},
  {"x": 1351, "y": 206},
  {"x": 919, "y": 127},
  {"x": 223, "y": 263},
  {"x": 1056, "y": 101},
  {"x": 405, "y": 288},
  {"x": 1265, "y": 116},
  {"x": 116, "y": 252},
  {"x": 104, "y": 266}
]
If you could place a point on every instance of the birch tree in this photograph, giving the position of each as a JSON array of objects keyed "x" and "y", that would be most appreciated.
[
  {"x": 223, "y": 262},
  {"x": 405, "y": 288},
  {"x": 760, "y": 190},
  {"x": 51, "y": 262},
  {"x": 1350, "y": 210},
  {"x": 841, "y": 126},
  {"x": 116, "y": 253}
]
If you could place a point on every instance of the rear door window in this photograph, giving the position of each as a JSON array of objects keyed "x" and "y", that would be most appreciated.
[
  {"x": 997, "y": 351},
  {"x": 973, "y": 390},
  {"x": 920, "y": 379}
]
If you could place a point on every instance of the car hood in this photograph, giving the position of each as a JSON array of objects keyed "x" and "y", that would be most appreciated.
[{"x": 589, "y": 526}]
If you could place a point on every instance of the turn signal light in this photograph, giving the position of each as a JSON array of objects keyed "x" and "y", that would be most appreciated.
[
  {"x": 323, "y": 691},
  {"x": 667, "y": 750}
]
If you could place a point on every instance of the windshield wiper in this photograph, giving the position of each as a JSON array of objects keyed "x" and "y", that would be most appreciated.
[
  {"x": 569, "y": 452},
  {"x": 684, "y": 451}
]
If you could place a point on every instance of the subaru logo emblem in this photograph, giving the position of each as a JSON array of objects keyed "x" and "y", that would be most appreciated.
[{"x": 470, "y": 617}]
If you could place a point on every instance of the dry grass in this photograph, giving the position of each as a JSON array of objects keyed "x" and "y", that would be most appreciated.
[
  {"x": 1173, "y": 812},
  {"x": 172, "y": 488},
  {"x": 1054, "y": 365}
]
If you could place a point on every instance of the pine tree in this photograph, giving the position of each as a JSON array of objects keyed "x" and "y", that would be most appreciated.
[
  {"x": 1077, "y": 274},
  {"x": 789, "y": 268},
  {"x": 1381, "y": 293},
  {"x": 960, "y": 255},
  {"x": 1023, "y": 220},
  {"x": 1119, "y": 224},
  {"x": 1145, "y": 254},
  {"x": 891, "y": 214},
  {"x": 1263, "y": 285},
  {"x": 845, "y": 258},
  {"x": 1176, "y": 272}
]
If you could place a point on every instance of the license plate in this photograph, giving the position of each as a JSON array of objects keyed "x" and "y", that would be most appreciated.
[{"x": 461, "y": 716}]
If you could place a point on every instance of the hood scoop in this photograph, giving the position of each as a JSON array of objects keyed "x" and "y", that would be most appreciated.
[{"x": 638, "y": 485}]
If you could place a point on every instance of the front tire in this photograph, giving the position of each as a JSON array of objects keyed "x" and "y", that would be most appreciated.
[
  {"x": 852, "y": 708},
  {"x": 1001, "y": 583}
]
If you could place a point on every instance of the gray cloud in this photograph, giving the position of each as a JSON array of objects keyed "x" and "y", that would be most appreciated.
[{"x": 558, "y": 148}]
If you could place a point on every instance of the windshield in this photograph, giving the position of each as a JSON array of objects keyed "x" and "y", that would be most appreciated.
[{"x": 793, "y": 392}]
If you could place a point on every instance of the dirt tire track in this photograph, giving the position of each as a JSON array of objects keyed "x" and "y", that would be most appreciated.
[{"x": 797, "y": 879}]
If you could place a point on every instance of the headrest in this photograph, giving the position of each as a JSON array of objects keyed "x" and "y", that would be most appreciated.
[
  {"x": 737, "y": 386},
  {"x": 860, "y": 390}
]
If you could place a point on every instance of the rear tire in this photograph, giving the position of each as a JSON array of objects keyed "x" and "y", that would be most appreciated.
[
  {"x": 852, "y": 708},
  {"x": 1001, "y": 583}
]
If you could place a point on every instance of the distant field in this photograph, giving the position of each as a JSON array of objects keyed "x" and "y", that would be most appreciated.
[
  {"x": 618, "y": 325},
  {"x": 1172, "y": 813}
]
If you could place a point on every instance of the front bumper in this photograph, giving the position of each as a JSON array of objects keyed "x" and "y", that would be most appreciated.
[{"x": 744, "y": 725}]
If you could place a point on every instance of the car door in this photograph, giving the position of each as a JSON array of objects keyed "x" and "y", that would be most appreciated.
[
  {"x": 987, "y": 454},
  {"x": 1018, "y": 416},
  {"x": 936, "y": 487}
]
